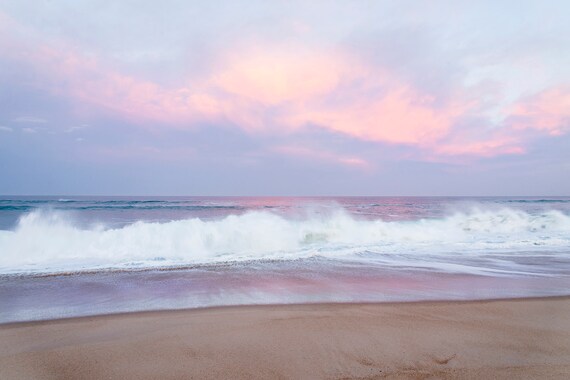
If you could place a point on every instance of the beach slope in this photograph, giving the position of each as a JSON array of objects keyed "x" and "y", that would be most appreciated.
[{"x": 505, "y": 339}]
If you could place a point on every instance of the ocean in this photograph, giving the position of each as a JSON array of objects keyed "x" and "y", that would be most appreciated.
[{"x": 79, "y": 256}]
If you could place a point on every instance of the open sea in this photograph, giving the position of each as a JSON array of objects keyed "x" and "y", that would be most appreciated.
[{"x": 79, "y": 256}]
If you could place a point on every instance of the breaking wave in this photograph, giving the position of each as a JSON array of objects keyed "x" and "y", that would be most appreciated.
[{"x": 48, "y": 241}]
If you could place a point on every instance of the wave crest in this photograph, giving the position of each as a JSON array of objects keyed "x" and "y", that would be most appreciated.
[{"x": 50, "y": 241}]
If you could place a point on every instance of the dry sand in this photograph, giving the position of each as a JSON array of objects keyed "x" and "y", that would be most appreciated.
[{"x": 507, "y": 339}]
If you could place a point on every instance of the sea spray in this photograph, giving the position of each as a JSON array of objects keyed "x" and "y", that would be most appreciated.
[{"x": 48, "y": 240}]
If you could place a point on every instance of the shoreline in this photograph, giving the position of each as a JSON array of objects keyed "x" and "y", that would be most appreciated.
[
  {"x": 46, "y": 298},
  {"x": 284, "y": 305},
  {"x": 496, "y": 338}
]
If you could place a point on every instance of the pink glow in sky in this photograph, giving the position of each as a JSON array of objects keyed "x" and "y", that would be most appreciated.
[{"x": 336, "y": 85}]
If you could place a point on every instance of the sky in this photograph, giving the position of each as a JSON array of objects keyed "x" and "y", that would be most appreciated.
[{"x": 284, "y": 97}]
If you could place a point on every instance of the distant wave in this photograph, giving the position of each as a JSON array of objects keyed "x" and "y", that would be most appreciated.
[
  {"x": 152, "y": 206},
  {"x": 536, "y": 201},
  {"x": 61, "y": 204},
  {"x": 49, "y": 240},
  {"x": 15, "y": 207}
]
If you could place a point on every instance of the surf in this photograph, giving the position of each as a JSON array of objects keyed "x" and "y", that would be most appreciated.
[{"x": 50, "y": 240}]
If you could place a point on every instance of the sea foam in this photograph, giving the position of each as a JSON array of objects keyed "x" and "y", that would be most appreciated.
[{"x": 49, "y": 241}]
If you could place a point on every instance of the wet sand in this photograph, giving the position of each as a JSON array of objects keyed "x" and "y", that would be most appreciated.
[{"x": 504, "y": 339}]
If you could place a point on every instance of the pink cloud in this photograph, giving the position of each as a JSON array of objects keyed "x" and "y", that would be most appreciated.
[
  {"x": 273, "y": 77},
  {"x": 321, "y": 155},
  {"x": 334, "y": 91},
  {"x": 271, "y": 94},
  {"x": 545, "y": 113},
  {"x": 285, "y": 89},
  {"x": 485, "y": 148},
  {"x": 548, "y": 111},
  {"x": 400, "y": 116}
]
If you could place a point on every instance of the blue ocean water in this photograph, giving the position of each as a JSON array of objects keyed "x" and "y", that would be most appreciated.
[{"x": 68, "y": 256}]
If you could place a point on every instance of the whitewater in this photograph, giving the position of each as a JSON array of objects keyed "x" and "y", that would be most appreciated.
[
  {"x": 479, "y": 239},
  {"x": 73, "y": 256}
]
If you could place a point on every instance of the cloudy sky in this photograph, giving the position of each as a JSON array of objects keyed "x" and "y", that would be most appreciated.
[{"x": 284, "y": 97}]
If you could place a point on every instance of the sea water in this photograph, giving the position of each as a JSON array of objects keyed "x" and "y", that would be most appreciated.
[{"x": 73, "y": 256}]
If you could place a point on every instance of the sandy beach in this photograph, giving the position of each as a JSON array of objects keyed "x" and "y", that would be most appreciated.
[{"x": 524, "y": 338}]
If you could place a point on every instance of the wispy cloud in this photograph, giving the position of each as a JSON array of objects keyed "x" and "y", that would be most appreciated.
[
  {"x": 321, "y": 155},
  {"x": 29, "y": 130},
  {"x": 76, "y": 128},
  {"x": 29, "y": 120}
]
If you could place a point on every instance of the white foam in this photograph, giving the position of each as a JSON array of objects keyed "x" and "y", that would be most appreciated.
[{"x": 50, "y": 241}]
